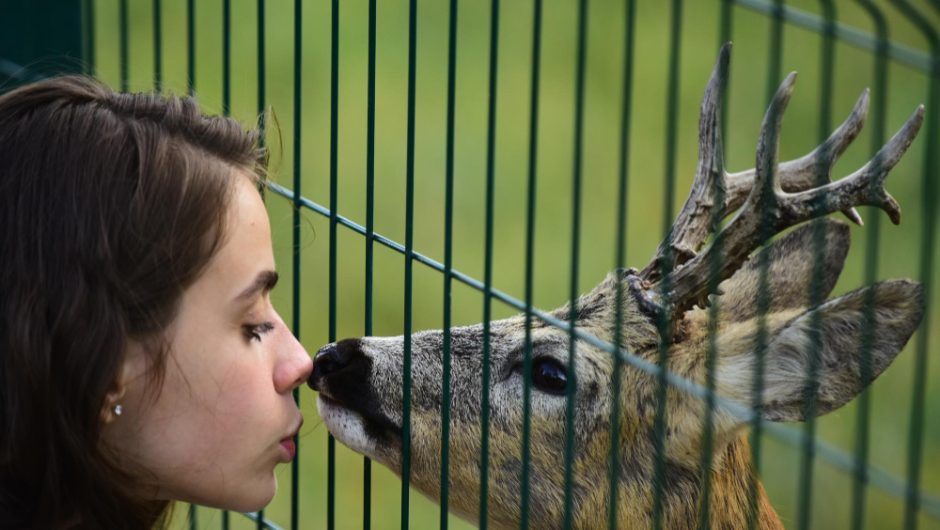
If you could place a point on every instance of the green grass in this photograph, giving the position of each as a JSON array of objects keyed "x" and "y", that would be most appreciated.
[{"x": 899, "y": 256}]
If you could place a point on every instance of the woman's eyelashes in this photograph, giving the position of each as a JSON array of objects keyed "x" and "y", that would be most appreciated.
[{"x": 255, "y": 331}]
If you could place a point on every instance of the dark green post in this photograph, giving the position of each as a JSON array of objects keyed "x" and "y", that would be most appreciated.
[{"x": 39, "y": 38}]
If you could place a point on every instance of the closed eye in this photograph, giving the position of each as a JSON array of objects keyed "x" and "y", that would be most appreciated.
[{"x": 255, "y": 331}]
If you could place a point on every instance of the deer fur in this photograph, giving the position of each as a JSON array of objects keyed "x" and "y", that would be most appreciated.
[{"x": 360, "y": 384}]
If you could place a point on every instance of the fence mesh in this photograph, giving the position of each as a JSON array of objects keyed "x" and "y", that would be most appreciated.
[{"x": 538, "y": 147}]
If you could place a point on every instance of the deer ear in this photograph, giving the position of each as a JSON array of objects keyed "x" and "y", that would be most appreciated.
[
  {"x": 792, "y": 265},
  {"x": 870, "y": 325}
]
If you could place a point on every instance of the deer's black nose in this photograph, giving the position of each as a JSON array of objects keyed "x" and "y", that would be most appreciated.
[{"x": 335, "y": 359}]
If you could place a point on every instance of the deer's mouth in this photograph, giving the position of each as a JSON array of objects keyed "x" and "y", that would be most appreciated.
[
  {"x": 376, "y": 424},
  {"x": 347, "y": 402}
]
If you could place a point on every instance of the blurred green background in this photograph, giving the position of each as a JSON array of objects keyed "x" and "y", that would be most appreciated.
[{"x": 899, "y": 247}]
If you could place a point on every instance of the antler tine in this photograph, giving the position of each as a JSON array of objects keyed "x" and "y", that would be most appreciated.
[
  {"x": 691, "y": 227},
  {"x": 864, "y": 186},
  {"x": 769, "y": 210},
  {"x": 765, "y": 176},
  {"x": 800, "y": 174}
]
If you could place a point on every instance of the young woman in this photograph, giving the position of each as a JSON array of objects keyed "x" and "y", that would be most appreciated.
[{"x": 141, "y": 360}]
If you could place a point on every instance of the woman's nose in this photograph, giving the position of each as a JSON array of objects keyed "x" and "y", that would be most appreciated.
[{"x": 294, "y": 368}]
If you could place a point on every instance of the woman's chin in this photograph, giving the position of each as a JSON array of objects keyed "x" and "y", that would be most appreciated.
[{"x": 248, "y": 500}]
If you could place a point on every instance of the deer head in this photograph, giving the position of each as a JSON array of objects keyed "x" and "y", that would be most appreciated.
[{"x": 660, "y": 309}]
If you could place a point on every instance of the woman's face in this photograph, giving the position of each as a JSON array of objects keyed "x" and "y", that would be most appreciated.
[{"x": 225, "y": 415}]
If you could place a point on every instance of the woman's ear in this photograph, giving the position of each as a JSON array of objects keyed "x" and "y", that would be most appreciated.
[{"x": 132, "y": 368}]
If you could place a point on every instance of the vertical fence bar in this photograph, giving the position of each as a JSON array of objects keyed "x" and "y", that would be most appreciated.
[
  {"x": 711, "y": 354},
  {"x": 629, "y": 38},
  {"x": 157, "y": 46},
  {"x": 725, "y": 32},
  {"x": 334, "y": 149},
  {"x": 929, "y": 195},
  {"x": 262, "y": 75},
  {"x": 88, "y": 42},
  {"x": 298, "y": 181},
  {"x": 370, "y": 232},
  {"x": 572, "y": 384},
  {"x": 872, "y": 247},
  {"x": 123, "y": 45},
  {"x": 763, "y": 298},
  {"x": 191, "y": 90},
  {"x": 530, "y": 262},
  {"x": 776, "y": 50},
  {"x": 227, "y": 75},
  {"x": 226, "y": 105},
  {"x": 191, "y": 46},
  {"x": 262, "y": 141},
  {"x": 448, "y": 260},
  {"x": 726, "y": 26},
  {"x": 409, "y": 263},
  {"x": 815, "y": 294},
  {"x": 672, "y": 116},
  {"x": 226, "y": 108},
  {"x": 483, "y": 520}
]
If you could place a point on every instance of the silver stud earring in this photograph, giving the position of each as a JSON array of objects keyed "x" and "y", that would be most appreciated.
[{"x": 118, "y": 409}]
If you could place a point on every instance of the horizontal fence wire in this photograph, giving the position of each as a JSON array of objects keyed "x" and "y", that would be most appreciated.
[
  {"x": 263, "y": 524},
  {"x": 847, "y": 34},
  {"x": 838, "y": 458}
]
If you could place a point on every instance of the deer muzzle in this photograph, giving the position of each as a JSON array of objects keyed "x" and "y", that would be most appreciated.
[{"x": 342, "y": 375}]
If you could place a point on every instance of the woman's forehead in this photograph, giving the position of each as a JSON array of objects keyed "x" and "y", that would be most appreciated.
[{"x": 246, "y": 251}]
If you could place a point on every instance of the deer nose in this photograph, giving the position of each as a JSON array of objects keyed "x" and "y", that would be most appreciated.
[{"x": 333, "y": 359}]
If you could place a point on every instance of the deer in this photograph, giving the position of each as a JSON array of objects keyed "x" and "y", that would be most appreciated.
[{"x": 711, "y": 279}]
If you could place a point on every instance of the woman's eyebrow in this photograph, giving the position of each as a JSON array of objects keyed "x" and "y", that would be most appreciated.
[{"x": 264, "y": 282}]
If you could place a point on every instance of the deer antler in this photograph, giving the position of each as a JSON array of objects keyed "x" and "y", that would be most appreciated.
[
  {"x": 774, "y": 197},
  {"x": 691, "y": 227}
]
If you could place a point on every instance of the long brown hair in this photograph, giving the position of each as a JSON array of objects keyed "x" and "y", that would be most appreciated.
[{"x": 111, "y": 205}]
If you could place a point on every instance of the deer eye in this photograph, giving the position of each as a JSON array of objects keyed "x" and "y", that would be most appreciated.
[{"x": 548, "y": 375}]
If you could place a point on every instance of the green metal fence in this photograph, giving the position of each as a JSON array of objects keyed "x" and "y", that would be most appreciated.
[{"x": 476, "y": 133}]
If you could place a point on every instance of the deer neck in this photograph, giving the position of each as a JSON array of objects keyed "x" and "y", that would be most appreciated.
[
  {"x": 732, "y": 482},
  {"x": 682, "y": 496}
]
